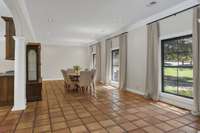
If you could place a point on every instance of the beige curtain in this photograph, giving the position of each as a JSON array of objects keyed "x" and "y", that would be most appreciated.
[
  {"x": 152, "y": 70},
  {"x": 90, "y": 57},
  {"x": 108, "y": 61},
  {"x": 123, "y": 60},
  {"x": 98, "y": 62},
  {"x": 196, "y": 61}
]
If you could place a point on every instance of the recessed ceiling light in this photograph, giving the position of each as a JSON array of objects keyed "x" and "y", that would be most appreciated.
[
  {"x": 50, "y": 20},
  {"x": 152, "y": 3}
]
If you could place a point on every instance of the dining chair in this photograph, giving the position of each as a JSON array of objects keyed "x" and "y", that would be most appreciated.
[
  {"x": 93, "y": 82},
  {"x": 64, "y": 73},
  {"x": 85, "y": 81},
  {"x": 68, "y": 83},
  {"x": 70, "y": 70}
]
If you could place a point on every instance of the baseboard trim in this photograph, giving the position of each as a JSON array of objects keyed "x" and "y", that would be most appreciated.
[
  {"x": 18, "y": 108},
  {"x": 136, "y": 91},
  {"x": 177, "y": 101}
]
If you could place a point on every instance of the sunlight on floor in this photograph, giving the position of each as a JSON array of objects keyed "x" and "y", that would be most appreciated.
[{"x": 109, "y": 87}]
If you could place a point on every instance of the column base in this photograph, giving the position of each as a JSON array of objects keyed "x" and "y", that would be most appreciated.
[{"x": 18, "y": 108}]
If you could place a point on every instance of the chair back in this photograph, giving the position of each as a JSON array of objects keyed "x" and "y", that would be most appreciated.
[
  {"x": 70, "y": 70},
  {"x": 93, "y": 75},
  {"x": 85, "y": 78},
  {"x": 64, "y": 74}
]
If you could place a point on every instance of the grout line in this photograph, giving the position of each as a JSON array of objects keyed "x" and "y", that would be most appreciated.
[
  {"x": 95, "y": 118},
  {"x": 48, "y": 107},
  {"x": 76, "y": 114},
  {"x": 60, "y": 106},
  {"x": 18, "y": 121},
  {"x": 112, "y": 97},
  {"x": 5, "y": 116},
  {"x": 35, "y": 115}
]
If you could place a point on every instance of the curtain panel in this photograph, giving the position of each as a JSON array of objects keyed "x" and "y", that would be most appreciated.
[
  {"x": 90, "y": 57},
  {"x": 123, "y": 60},
  {"x": 98, "y": 62},
  {"x": 196, "y": 61},
  {"x": 152, "y": 70},
  {"x": 108, "y": 47}
]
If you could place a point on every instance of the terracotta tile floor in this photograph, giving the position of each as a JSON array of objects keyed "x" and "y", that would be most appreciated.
[{"x": 110, "y": 110}]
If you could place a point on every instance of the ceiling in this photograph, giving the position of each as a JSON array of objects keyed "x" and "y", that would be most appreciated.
[{"x": 79, "y": 22}]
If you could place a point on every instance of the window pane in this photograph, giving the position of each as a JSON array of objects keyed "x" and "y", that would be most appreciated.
[
  {"x": 116, "y": 58},
  {"x": 185, "y": 81},
  {"x": 115, "y": 65},
  {"x": 177, "y": 66},
  {"x": 32, "y": 65},
  {"x": 115, "y": 73},
  {"x": 170, "y": 55},
  {"x": 94, "y": 61},
  {"x": 185, "y": 51},
  {"x": 170, "y": 80}
]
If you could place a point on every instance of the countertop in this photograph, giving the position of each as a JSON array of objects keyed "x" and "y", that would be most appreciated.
[{"x": 6, "y": 74}]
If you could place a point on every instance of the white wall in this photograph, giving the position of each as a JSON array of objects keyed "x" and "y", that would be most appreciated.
[
  {"x": 5, "y": 65},
  {"x": 136, "y": 59},
  {"x": 175, "y": 25},
  {"x": 55, "y": 58}
]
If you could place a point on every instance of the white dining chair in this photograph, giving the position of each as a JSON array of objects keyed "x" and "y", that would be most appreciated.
[
  {"x": 65, "y": 78},
  {"x": 68, "y": 83},
  {"x": 85, "y": 81},
  {"x": 70, "y": 70},
  {"x": 93, "y": 82}
]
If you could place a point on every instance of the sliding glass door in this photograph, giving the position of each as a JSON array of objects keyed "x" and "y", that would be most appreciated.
[
  {"x": 115, "y": 65},
  {"x": 177, "y": 70}
]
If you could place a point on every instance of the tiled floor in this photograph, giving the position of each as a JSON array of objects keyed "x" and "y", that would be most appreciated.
[{"x": 110, "y": 111}]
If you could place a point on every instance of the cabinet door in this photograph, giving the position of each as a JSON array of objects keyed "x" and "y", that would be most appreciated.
[
  {"x": 3, "y": 93},
  {"x": 10, "y": 91},
  {"x": 10, "y": 42},
  {"x": 10, "y": 48}
]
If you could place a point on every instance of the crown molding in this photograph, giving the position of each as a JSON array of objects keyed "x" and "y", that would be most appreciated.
[{"x": 64, "y": 44}]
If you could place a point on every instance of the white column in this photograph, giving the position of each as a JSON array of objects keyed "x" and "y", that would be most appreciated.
[{"x": 20, "y": 74}]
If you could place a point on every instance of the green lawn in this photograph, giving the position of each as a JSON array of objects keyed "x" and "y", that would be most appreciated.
[
  {"x": 185, "y": 73},
  {"x": 185, "y": 76},
  {"x": 181, "y": 91}
]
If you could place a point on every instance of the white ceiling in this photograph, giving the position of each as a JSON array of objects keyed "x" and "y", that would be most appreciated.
[{"x": 79, "y": 22}]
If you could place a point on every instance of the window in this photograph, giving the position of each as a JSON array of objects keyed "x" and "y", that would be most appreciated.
[
  {"x": 94, "y": 61},
  {"x": 177, "y": 70},
  {"x": 115, "y": 65}
]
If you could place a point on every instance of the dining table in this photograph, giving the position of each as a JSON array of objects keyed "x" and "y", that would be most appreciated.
[{"x": 74, "y": 76}]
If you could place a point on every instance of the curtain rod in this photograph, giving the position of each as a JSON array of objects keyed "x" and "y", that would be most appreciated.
[
  {"x": 94, "y": 44},
  {"x": 173, "y": 14},
  {"x": 109, "y": 38}
]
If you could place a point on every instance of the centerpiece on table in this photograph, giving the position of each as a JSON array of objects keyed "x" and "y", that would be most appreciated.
[{"x": 77, "y": 69}]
